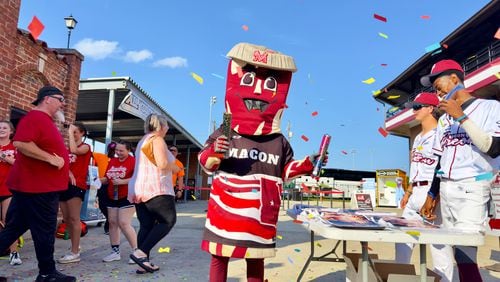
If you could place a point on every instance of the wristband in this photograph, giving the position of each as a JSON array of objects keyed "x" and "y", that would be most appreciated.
[
  {"x": 459, "y": 119},
  {"x": 430, "y": 194}
]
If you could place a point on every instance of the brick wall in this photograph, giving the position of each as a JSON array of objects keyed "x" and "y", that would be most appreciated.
[{"x": 27, "y": 64}]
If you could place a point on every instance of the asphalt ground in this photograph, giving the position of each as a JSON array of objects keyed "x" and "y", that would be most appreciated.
[{"x": 180, "y": 257}]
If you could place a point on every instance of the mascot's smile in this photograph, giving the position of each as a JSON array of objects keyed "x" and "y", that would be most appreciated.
[{"x": 254, "y": 104}]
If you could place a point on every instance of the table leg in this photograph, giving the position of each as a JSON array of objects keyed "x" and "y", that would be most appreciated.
[
  {"x": 364, "y": 261},
  {"x": 309, "y": 259},
  {"x": 423, "y": 263}
]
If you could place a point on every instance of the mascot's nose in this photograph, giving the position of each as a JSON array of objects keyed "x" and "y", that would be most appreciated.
[{"x": 258, "y": 87}]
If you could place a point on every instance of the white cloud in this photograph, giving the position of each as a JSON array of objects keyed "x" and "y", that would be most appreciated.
[
  {"x": 171, "y": 62},
  {"x": 96, "y": 49},
  {"x": 138, "y": 56}
]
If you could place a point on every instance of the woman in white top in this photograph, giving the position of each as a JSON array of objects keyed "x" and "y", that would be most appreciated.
[{"x": 151, "y": 190}]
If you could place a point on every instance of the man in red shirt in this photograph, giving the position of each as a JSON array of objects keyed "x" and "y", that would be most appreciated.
[{"x": 40, "y": 173}]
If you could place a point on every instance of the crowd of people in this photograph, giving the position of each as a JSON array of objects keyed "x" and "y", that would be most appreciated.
[{"x": 454, "y": 160}]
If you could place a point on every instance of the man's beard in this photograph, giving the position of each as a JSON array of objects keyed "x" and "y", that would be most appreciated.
[{"x": 59, "y": 116}]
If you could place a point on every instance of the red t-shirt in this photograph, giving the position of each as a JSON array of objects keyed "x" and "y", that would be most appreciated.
[
  {"x": 122, "y": 170},
  {"x": 30, "y": 175},
  {"x": 8, "y": 150},
  {"x": 79, "y": 166}
]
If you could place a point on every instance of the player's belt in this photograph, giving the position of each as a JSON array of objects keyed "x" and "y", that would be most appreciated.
[{"x": 419, "y": 183}]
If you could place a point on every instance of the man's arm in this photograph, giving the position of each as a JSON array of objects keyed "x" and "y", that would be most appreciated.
[
  {"x": 482, "y": 140},
  {"x": 31, "y": 150}
]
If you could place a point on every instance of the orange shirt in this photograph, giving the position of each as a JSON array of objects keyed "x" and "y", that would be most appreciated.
[
  {"x": 179, "y": 174},
  {"x": 101, "y": 161}
]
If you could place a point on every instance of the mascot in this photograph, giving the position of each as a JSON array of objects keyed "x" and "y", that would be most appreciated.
[{"x": 250, "y": 165}]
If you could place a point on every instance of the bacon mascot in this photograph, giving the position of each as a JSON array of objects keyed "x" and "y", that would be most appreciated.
[{"x": 249, "y": 168}]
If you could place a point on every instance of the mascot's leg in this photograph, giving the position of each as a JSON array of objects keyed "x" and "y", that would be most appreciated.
[
  {"x": 255, "y": 270},
  {"x": 218, "y": 269}
]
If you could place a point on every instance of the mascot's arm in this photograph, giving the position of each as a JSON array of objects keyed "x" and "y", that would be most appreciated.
[
  {"x": 209, "y": 159},
  {"x": 297, "y": 168}
]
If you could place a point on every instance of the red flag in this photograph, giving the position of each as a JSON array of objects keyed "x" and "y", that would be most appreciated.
[
  {"x": 315, "y": 113},
  {"x": 383, "y": 132},
  {"x": 35, "y": 27},
  {"x": 304, "y": 138},
  {"x": 380, "y": 18}
]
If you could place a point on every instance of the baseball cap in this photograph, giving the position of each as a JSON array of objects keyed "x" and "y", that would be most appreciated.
[
  {"x": 424, "y": 98},
  {"x": 438, "y": 69},
  {"x": 46, "y": 91}
]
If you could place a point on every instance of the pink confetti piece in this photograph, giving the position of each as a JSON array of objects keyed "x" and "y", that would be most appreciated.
[
  {"x": 425, "y": 17},
  {"x": 304, "y": 138},
  {"x": 315, "y": 113},
  {"x": 244, "y": 27},
  {"x": 497, "y": 34},
  {"x": 383, "y": 132},
  {"x": 344, "y": 152},
  {"x": 384, "y": 65},
  {"x": 35, "y": 27},
  {"x": 380, "y": 18}
]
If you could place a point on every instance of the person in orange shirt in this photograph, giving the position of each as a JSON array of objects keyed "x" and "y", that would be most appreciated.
[
  {"x": 102, "y": 161},
  {"x": 177, "y": 178}
]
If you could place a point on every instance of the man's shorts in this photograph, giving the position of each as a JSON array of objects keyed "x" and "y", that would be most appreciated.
[
  {"x": 120, "y": 204},
  {"x": 72, "y": 192}
]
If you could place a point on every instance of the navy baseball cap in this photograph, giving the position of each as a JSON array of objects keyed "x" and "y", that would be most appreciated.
[{"x": 46, "y": 91}]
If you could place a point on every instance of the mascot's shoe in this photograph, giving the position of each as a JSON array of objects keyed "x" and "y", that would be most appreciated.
[
  {"x": 56, "y": 276},
  {"x": 69, "y": 258},
  {"x": 15, "y": 259}
]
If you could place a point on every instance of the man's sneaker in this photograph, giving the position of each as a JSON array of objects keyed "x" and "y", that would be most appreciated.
[
  {"x": 69, "y": 258},
  {"x": 55, "y": 277},
  {"x": 15, "y": 259},
  {"x": 112, "y": 257}
]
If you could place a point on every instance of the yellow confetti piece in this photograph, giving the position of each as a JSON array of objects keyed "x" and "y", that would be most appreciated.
[
  {"x": 383, "y": 35},
  {"x": 194, "y": 198},
  {"x": 393, "y": 97},
  {"x": 196, "y": 77},
  {"x": 413, "y": 233},
  {"x": 319, "y": 245},
  {"x": 310, "y": 215},
  {"x": 369, "y": 80},
  {"x": 441, "y": 122},
  {"x": 247, "y": 254},
  {"x": 113, "y": 73},
  {"x": 497, "y": 75},
  {"x": 375, "y": 93},
  {"x": 279, "y": 237},
  {"x": 164, "y": 250}
]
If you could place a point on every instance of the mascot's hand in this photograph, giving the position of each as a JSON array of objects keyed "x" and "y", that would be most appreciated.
[
  {"x": 221, "y": 144},
  {"x": 314, "y": 157}
]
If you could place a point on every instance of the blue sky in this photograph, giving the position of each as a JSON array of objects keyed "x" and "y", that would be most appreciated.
[{"x": 336, "y": 45}]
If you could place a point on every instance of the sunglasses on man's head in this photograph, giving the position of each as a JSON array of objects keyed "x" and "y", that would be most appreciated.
[{"x": 419, "y": 106}]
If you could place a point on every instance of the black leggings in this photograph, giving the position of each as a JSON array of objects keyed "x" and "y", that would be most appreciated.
[{"x": 156, "y": 217}]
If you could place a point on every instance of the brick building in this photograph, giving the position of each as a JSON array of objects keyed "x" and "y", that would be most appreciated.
[{"x": 27, "y": 64}]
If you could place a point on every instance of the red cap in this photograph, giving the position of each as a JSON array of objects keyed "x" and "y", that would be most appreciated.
[
  {"x": 438, "y": 68},
  {"x": 424, "y": 98}
]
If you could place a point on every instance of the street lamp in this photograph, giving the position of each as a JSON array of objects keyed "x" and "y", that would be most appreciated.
[
  {"x": 213, "y": 99},
  {"x": 70, "y": 24}
]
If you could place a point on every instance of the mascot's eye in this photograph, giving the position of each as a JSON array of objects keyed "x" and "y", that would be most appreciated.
[
  {"x": 270, "y": 83},
  {"x": 247, "y": 79}
]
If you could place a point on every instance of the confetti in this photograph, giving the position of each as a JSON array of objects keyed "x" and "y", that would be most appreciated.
[
  {"x": 297, "y": 250},
  {"x": 217, "y": 75},
  {"x": 497, "y": 75},
  {"x": 383, "y": 35},
  {"x": 436, "y": 52},
  {"x": 315, "y": 113},
  {"x": 35, "y": 27},
  {"x": 376, "y": 92},
  {"x": 383, "y": 132},
  {"x": 425, "y": 17},
  {"x": 393, "y": 97},
  {"x": 290, "y": 260},
  {"x": 304, "y": 138},
  {"x": 384, "y": 65},
  {"x": 445, "y": 46},
  {"x": 297, "y": 221},
  {"x": 432, "y": 47},
  {"x": 164, "y": 250},
  {"x": 194, "y": 198},
  {"x": 344, "y": 152},
  {"x": 420, "y": 148},
  {"x": 318, "y": 244},
  {"x": 244, "y": 27},
  {"x": 439, "y": 172},
  {"x": 279, "y": 237},
  {"x": 255, "y": 190},
  {"x": 380, "y": 18},
  {"x": 497, "y": 34},
  {"x": 413, "y": 233},
  {"x": 113, "y": 73},
  {"x": 369, "y": 81},
  {"x": 196, "y": 77}
]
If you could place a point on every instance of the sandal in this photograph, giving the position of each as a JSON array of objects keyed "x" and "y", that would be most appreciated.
[
  {"x": 141, "y": 261},
  {"x": 142, "y": 271}
]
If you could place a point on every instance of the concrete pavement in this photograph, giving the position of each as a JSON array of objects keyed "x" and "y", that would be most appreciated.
[{"x": 186, "y": 262}]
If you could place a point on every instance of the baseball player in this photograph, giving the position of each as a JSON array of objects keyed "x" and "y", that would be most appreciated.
[
  {"x": 422, "y": 166},
  {"x": 467, "y": 141}
]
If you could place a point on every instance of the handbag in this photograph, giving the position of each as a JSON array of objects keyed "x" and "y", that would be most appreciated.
[{"x": 147, "y": 149}]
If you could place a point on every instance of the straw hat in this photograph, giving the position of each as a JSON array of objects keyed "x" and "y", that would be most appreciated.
[{"x": 261, "y": 56}]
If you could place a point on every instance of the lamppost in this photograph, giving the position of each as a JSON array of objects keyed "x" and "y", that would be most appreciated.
[
  {"x": 70, "y": 24},
  {"x": 353, "y": 152},
  {"x": 213, "y": 99}
]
